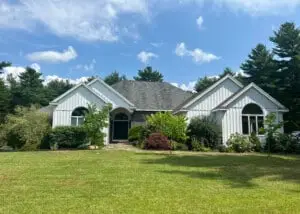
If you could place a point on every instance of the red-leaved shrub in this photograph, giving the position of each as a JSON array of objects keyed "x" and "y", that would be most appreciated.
[{"x": 157, "y": 141}]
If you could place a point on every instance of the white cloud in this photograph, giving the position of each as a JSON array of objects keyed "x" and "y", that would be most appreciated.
[
  {"x": 50, "y": 78},
  {"x": 107, "y": 20},
  {"x": 145, "y": 57},
  {"x": 200, "y": 21},
  {"x": 198, "y": 55},
  {"x": 157, "y": 44},
  {"x": 53, "y": 56},
  {"x": 15, "y": 71},
  {"x": 186, "y": 87},
  {"x": 87, "y": 67},
  {"x": 36, "y": 67},
  {"x": 89, "y": 20}
]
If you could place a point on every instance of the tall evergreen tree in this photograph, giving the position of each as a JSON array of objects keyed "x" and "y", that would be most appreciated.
[
  {"x": 204, "y": 83},
  {"x": 56, "y": 88},
  {"x": 259, "y": 67},
  {"x": 31, "y": 88},
  {"x": 149, "y": 75},
  {"x": 287, "y": 52},
  {"x": 4, "y": 101},
  {"x": 114, "y": 78}
]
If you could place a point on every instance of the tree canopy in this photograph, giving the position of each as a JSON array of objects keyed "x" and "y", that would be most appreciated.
[
  {"x": 114, "y": 78},
  {"x": 149, "y": 75}
]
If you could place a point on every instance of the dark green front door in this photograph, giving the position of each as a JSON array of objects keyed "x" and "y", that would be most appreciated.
[{"x": 120, "y": 130}]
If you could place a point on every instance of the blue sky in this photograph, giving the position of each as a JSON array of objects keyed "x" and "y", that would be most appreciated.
[{"x": 73, "y": 39}]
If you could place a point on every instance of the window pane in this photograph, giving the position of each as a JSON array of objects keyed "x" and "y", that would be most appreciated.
[
  {"x": 260, "y": 121},
  {"x": 252, "y": 109},
  {"x": 80, "y": 121},
  {"x": 121, "y": 116},
  {"x": 245, "y": 125},
  {"x": 253, "y": 124},
  {"x": 79, "y": 111},
  {"x": 74, "y": 121}
]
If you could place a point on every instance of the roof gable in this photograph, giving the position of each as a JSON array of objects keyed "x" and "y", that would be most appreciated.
[
  {"x": 224, "y": 105},
  {"x": 111, "y": 89},
  {"x": 56, "y": 101},
  {"x": 199, "y": 95}
]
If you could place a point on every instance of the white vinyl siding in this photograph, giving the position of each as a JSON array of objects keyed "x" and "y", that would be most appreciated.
[
  {"x": 232, "y": 119},
  {"x": 81, "y": 97},
  {"x": 207, "y": 103}
]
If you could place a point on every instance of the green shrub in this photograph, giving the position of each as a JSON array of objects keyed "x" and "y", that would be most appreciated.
[
  {"x": 282, "y": 143},
  {"x": 68, "y": 137},
  {"x": 157, "y": 141},
  {"x": 137, "y": 134},
  {"x": 239, "y": 143},
  {"x": 222, "y": 148},
  {"x": 206, "y": 130},
  {"x": 172, "y": 126},
  {"x": 199, "y": 146},
  {"x": 25, "y": 129},
  {"x": 257, "y": 147},
  {"x": 179, "y": 146}
]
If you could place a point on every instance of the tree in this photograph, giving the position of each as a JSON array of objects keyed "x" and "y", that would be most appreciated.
[
  {"x": 95, "y": 121},
  {"x": 287, "y": 51},
  {"x": 149, "y": 75},
  {"x": 271, "y": 128},
  {"x": 15, "y": 92},
  {"x": 114, "y": 78},
  {"x": 259, "y": 67},
  {"x": 4, "y": 100},
  {"x": 204, "y": 83},
  {"x": 3, "y": 65},
  {"x": 56, "y": 88},
  {"x": 31, "y": 88},
  {"x": 227, "y": 71}
]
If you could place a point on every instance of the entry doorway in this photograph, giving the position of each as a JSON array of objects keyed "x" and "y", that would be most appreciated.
[{"x": 120, "y": 127}]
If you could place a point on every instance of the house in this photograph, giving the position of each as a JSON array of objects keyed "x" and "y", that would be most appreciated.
[{"x": 236, "y": 108}]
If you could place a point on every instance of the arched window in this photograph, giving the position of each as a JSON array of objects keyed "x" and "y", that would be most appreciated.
[
  {"x": 78, "y": 115},
  {"x": 252, "y": 119},
  {"x": 121, "y": 117}
]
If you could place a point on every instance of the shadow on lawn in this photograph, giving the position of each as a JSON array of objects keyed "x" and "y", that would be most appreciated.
[{"x": 238, "y": 170}]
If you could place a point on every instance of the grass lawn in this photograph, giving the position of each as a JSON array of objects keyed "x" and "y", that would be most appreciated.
[{"x": 129, "y": 182}]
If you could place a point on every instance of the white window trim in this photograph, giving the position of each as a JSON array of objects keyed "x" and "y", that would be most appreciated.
[
  {"x": 249, "y": 124},
  {"x": 77, "y": 120}
]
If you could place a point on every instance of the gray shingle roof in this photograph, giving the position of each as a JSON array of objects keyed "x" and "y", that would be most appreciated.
[{"x": 152, "y": 95}]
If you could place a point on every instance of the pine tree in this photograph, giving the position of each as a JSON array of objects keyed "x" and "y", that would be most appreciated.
[
  {"x": 204, "y": 83},
  {"x": 114, "y": 78},
  {"x": 259, "y": 67},
  {"x": 31, "y": 88},
  {"x": 149, "y": 75},
  {"x": 287, "y": 52},
  {"x": 56, "y": 88}
]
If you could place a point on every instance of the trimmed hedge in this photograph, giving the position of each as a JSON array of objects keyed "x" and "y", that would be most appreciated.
[{"x": 68, "y": 137}]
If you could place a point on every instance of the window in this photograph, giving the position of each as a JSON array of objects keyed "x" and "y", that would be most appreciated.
[
  {"x": 77, "y": 118},
  {"x": 252, "y": 119},
  {"x": 121, "y": 117}
]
